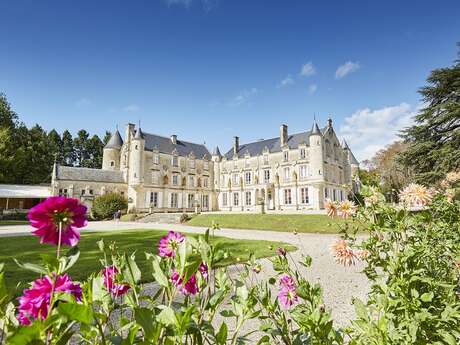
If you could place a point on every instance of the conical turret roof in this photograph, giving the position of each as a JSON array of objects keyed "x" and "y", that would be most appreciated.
[
  {"x": 139, "y": 134},
  {"x": 115, "y": 141},
  {"x": 315, "y": 129},
  {"x": 216, "y": 152}
]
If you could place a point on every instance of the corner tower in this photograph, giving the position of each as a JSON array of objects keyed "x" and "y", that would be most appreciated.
[
  {"x": 111, "y": 154},
  {"x": 316, "y": 153},
  {"x": 136, "y": 166}
]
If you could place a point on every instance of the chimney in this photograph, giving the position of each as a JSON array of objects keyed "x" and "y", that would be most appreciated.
[
  {"x": 129, "y": 131},
  {"x": 174, "y": 139},
  {"x": 236, "y": 145},
  {"x": 283, "y": 135}
]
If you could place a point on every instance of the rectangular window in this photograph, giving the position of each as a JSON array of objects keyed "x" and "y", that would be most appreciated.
[
  {"x": 302, "y": 154},
  {"x": 248, "y": 198},
  {"x": 83, "y": 192},
  {"x": 206, "y": 165},
  {"x": 235, "y": 179},
  {"x": 247, "y": 177},
  {"x": 156, "y": 158},
  {"x": 224, "y": 199},
  {"x": 153, "y": 199},
  {"x": 191, "y": 181},
  {"x": 192, "y": 164},
  {"x": 205, "y": 182},
  {"x": 63, "y": 192},
  {"x": 175, "y": 161},
  {"x": 334, "y": 195},
  {"x": 175, "y": 179},
  {"x": 286, "y": 174},
  {"x": 341, "y": 195},
  {"x": 303, "y": 172},
  {"x": 326, "y": 193},
  {"x": 286, "y": 156},
  {"x": 265, "y": 159},
  {"x": 205, "y": 202},
  {"x": 173, "y": 200},
  {"x": 190, "y": 200},
  {"x": 287, "y": 197},
  {"x": 304, "y": 195},
  {"x": 90, "y": 191},
  {"x": 236, "y": 199},
  {"x": 267, "y": 176}
]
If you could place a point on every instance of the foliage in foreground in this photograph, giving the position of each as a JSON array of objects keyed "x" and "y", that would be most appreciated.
[{"x": 412, "y": 257}]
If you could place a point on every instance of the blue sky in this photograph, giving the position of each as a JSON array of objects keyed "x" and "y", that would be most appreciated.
[{"x": 209, "y": 70}]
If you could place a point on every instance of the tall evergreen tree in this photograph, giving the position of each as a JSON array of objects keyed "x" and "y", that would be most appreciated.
[
  {"x": 80, "y": 144},
  {"x": 94, "y": 148},
  {"x": 8, "y": 118},
  {"x": 434, "y": 140},
  {"x": 107, "y": 137},
  {"x": 68, "y": 150},
  {"x": 55, "y": 146}
]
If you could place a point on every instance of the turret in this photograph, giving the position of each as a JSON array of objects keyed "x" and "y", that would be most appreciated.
[
  {"x": 136, "y": 165},
  {"x": 316, "y": 153},
  {"x": 111, "y": 153}
]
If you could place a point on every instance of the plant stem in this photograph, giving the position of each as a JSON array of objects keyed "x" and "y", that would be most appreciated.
[{"x": 59, "y": 240}]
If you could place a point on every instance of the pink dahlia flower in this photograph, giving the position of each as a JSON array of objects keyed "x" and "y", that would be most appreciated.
[
  {"x": 169, "y": 244},
  {"x": 109, "y": 273},
  {"x": 347, "y": 209},
  {"x": 330, "y": 207},
  {"x": 35, "y": 302},
  {"x": 189, "y": 288},
  {"x": 288, "y": 297},
  {"x": 343, "y": 253},
  {"x": 47, "y": 215},
  {"x": 287, "y": 294}
]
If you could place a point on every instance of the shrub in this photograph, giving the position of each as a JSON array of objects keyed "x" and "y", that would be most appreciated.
[
  {"x": 184, "y": 218},
  {"x": 106, "y": 205}
]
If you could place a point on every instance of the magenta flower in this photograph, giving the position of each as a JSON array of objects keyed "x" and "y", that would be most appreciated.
[
  {"x": 35, "y": 302},
  {"x": 189, "y": 288},
  {"x": 47, "y": 215},
  {"x": 169, "y": 244},
  {"x": 287, "y": 294},
  {"x": 109, "y": 273},
  {"x": 203, "y": 269},
  {"x": 288, "y": 297}
]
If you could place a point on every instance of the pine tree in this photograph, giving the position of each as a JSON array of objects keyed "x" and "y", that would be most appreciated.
[
  {"x": 434, "y": 140},
  {"x": 55, "y": 146},
  {"x": 80, "y": 144},
  {"x": 94, "y": 149},
  {"x": 68, "y": 150}
]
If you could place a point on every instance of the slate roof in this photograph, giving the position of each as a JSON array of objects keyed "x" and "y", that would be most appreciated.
[
  {"x": 115, "y": 141},
  {"x": 164, "y": 145},
  {"x": 256, "y": 148},
  {"x": 88, "y": 174},
  {"x": 353, "y": 159}
]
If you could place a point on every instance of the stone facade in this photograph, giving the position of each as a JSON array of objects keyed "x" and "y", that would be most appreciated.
[{"x": 158, "y": 174}]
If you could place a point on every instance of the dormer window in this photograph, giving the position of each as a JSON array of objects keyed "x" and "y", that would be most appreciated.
[
  {"x": 265, "y": 159},
  {"x": 286, "y": 156},
  {"x": 156, "y": 158},
  {"x": 175, "y": 161},
  {"x": 302, "y": 153}
]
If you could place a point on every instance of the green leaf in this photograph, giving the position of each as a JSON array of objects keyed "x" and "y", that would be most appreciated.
[
  {"x": 32, "y": 267},
  {"x": 158, "y": 274},
  {"x": 26, "y": 335},
  {"x": 132, "y": 273},
  {"x": 145, "y": 318},
  {"x": 167, "y": 316},
  {"x": 427, "y": 297},
  {"x": 72, "y": 256},
  {"x": 76, "y": 312},
  {"x": 221, "y": 336}
]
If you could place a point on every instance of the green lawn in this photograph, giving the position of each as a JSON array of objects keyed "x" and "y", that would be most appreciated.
[
  {"x": 28, "y": 249},
  {"x": 13, "y": 222},
  {"x": 275, "y": 222}
]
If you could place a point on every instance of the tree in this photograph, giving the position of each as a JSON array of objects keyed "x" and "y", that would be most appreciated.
[
  {"x": 393, "y": 175},
  {"x": 94, "y": 148},
  {"x": 434, "y": 140},
  {"x": 8, "y": 118},
  {"x": 68, "y": 150},
  {"x": 80, "y": 144},
  {"x": 107, "y": 137},
  {"x": 55, "y": 146}
]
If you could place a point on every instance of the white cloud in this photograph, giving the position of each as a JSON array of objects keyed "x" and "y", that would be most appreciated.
[
  {"x": 207, "y": 4},
  {"x": 307, "y": 70},
  {"x": 312, "y": 89},
  {"x": 368, "y": 131},
  {"x": 83, "y": 102},
  {"x": 185, "y": 3},
  {"x": 286, "y": 81},
  {"x": 132, "y": 108},
  {"x": 243, "y": 97},
  {"x": 345, "y": 69}
]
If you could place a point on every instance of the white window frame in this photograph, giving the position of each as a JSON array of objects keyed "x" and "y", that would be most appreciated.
[
  {"x": 248, "y": 177},
  {"x": 191, "y": 181},
  {"x": 303, "y": 171},
  {"x": 192, "y": 163},
  {"x": 156, "y": 158},
  {"x": 175, "y": 179},
  {"x": 248, "y": 198},
  {"x": 175, "y": 161},
  {"x": 267, "y": 175},
  {"x": 287, "y": 196},
  {"x": 287, "y": 173},
  {"x": 303, "y": 153},
  {"x": 173, "y": 201},
  {"x": 236, "y": 199},
  {"x": 236, "y": 179},
  {"x": 304, "y": 197},
  {"x": 205, "y": 182},
  {"x": 154, "y": 199},
  {"x": 285, "y": 156},
  {"x": 190, "y": 200},
  {"x": 266, "y": 159},
  {"x": 206, "y": 165}
]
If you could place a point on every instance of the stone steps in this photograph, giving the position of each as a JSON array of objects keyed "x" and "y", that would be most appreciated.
[{"x": 165, "y": 218}]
